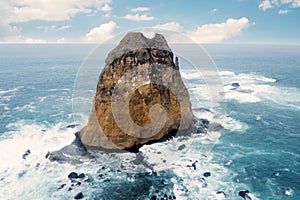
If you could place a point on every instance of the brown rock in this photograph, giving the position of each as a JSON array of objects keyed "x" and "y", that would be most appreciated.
[{"x": 140, "y": 96}]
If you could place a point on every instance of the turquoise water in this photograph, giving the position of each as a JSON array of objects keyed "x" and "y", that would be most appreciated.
[{"x": 257, "y": 151}]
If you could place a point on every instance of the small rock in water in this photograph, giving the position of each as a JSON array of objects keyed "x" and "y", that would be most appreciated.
[
  {"x": 207, "y": 174},
  {"x": 72, "y": 125},
  {"x": 73, "y": 175},
  {"x": 48, "y": 154},
  {"x": 61, "y": 187},
  {"x": 244, "y": 194},
  {"x": 153, "y": 197},
  {"x": 228, "y": 162},
  {"x": 78, "y": 196},
  {"x": 26, "y": 154},
  {"x": 163, "y": 181},
  {"x": 236, "y": 85},
  {"x": 81, "y": 175},
  {"x": 194, "y": 165},
  {"x": 181, "y": 147}
]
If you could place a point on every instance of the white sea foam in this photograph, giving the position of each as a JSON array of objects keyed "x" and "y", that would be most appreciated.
[
  {"x": 10, "y": 90},
  {"x": 31, "y": 137},
  {"x": 29, "y": 107}
]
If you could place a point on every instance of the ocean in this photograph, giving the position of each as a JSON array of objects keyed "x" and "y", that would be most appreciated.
[{"x": 258, "y": 149}]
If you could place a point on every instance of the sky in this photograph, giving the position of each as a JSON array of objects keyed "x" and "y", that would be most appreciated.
[{"x": 204, "y": 21}]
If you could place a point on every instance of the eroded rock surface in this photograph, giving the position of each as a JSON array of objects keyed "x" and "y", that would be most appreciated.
[{"x": 152, "y": 61}]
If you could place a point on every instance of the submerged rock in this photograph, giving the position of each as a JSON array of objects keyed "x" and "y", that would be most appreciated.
[{"x": 147, "y": 61}]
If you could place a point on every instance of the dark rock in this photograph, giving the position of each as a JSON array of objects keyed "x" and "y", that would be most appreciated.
[
  {"x": 164, "y": 182},
  {"x": 81, "y": 175},
  {"x": 26, "y": 154},
  {"x": 244, "y": 194},
  {"x": 78, "y": 196},
  {"x": 206, "y": 174},
  {"x": 181, "y": 147},
  {"x": 48, "y": 154},
  {"x": 72, "y": 125},
  {"x": 236, "y": 85},
  {"x": 221, "y": 192},
  {"x": 61, "y": 187},
  {"x": 73, "y": 175},
  {"x": 153, "y": 197},
  {"x": 194, "y": 165},
  {"x": 100, "y": 175},
  {"x": 77, "y": 183},
  {"x": 204, "y": 121}
]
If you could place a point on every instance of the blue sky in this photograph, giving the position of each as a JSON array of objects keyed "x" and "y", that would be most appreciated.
[{"x": 205, "y": 21}]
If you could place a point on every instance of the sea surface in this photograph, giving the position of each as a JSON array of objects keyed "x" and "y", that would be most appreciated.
[{"x": 258, "y": 149}]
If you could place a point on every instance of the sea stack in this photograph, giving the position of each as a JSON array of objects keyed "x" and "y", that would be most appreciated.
[{"x": 140, "y": 96}]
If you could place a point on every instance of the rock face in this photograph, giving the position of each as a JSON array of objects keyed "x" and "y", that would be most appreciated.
[{"x": 158, "y": 102}]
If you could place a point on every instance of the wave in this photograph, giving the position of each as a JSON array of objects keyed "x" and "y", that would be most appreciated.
[{"x": 2, "y": 92}]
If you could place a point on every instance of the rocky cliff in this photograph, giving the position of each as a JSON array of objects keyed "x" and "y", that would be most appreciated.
[{"x": 140, "y": 97}]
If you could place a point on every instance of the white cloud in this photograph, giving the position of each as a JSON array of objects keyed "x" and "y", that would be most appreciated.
[
  {"x": 140, "y": 9},
  {"x": 54, "y": 28},
  {"x": 172, "y": 26},
  {"x": 296, "y": 3},
  {"x": 100, "y": 33},
  {"x": 215, "y": 10},
  {"x": 283, "y": 11},
  {"x": 106, "y": 8},
  {"x": 268, "y": 4},
  {"x": 47, "y": 10},
  {"x": 18, "y": 11},
  {"x": 213, "y": 33},
  {"x": 138, "y": 17}
]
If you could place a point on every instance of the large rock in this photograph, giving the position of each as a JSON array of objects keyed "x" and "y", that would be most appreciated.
[{"x": 142, "y": 71}]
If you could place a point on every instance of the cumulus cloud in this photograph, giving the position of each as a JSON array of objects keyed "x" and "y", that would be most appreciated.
[
  {"x": 138, "y": 17},
  {"x": 140, "y": 9},
  {"x": 214, "y": 10},
  {"x": 47, "y": 10},
  {"x": 54, "y": 28},
  {"x": 282, "y": 12},
  {"x": 265, "y": 4},
  {"x": 100, "y": 33},
  {"x": 12, "y": 11},
  {"x": 212, "y": 33},
  {"x": 172, "y": 26},
  {"x": 268, "y": 4}
]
